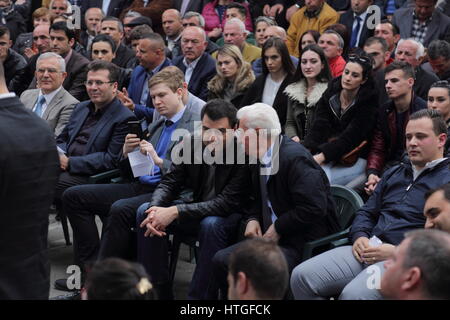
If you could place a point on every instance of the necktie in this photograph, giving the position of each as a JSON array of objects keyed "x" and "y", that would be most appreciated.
[
  {"x": 39, "y": 105},
  {"x": 355, "y": 32},
  {"x": 266, "y": 215}
]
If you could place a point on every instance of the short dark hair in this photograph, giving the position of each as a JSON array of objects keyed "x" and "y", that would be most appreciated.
[
  {"x": 265, "y": 266},
  {"x": 394, "y": 28},
  {"x": 239, "y": 7},
  {"x": 97, "y": 65},
  {"x": 407, "y": 69},
  {"x": 155, "y": 38},
  {"x": 445, "y": 188},
  {"x": 140, "y": 32},
  {"x": 117, "y": 279},
  {"x": 379, "y": 40},
  {"x": 282, "y": 50},
  {"x": 104, "y": 38},
  {"x": 324, "y": 74},
  {"x": 439, "y": 125},
  {"x": 217, "y": 109},
  {"x": 62, "y": 26},
  {"x": 119, "y": 23},
  {"x": 439, "y": 48},
  {"x": 4, "y": 30},
  {"x": 430, "y": 251}
]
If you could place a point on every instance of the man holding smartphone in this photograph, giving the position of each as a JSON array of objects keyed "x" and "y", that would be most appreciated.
[{"x": 82, "y": 203}]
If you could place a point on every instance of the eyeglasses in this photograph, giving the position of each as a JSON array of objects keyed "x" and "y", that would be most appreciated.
[
  {"x": 98, "y": 83},
  {"x": 49, "y": 70}
]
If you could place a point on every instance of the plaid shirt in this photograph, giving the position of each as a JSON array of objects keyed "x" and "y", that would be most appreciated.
[{"x": 419, "y": 29}]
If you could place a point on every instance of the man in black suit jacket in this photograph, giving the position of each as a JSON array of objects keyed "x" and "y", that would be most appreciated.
[
  {"x": 198, "y": 66},
  {"x": 355, "y": 19},
  {"x": 29, "y": 169},
  {"x": 114, "y": 8},
  {"x": 189, "y": 5},
  {"x": 94, "y": 135},
  {"x": 219, "y": 189},
  {"x": 293, "y": 200}
]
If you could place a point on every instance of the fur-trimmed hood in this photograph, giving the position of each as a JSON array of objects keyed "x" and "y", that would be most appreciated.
[{"x": 297, "y": 91}]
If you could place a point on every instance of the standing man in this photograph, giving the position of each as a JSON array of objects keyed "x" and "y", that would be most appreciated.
[
  {"x": 92, "y": 18},
  {"x": 198, "y": 66},
  {"x": 111, "y": 8},
  {"x": 172, "y": 26},
  {"x": 29, "y": 174},
  {"x": 51, "y": 101}
]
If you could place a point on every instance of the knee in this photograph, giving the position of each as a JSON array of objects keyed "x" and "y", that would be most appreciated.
[
  {"x": 70, "y": 196},
  {"x": 140, "y": 214},
  {"x": 302, "y": 280},
  {"x": 220, "y": 261},
  {"x": 211, "y": 225}
]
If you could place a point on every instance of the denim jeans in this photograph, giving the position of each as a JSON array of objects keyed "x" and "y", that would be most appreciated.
[{"x": 341, "y": 175}]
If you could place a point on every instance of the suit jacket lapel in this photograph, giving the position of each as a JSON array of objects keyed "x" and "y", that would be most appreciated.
[
  {"x": 156, "y": 134},
  {"x": 33, "y": 99},
  {"x": 81, "y": 115},
  {"x": 52, "y": 105},
  {"x": 433, "y": 28}
]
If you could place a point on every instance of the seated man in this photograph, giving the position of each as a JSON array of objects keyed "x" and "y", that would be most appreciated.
[
  {"x": 195, "y": 19},
  {"x": 171, "y": 23},
  {"x": 257, "y": 271},
  {"x": 92, "y": 19},
  {"x": 437, "y": 208},
  {"x": 439, "y": 58},
  {"x": 82, "y": 203},
  {"x": 293, "y": 200},
  {"x": 356, "y": 20},
  {"x": 388, "y": 142},
  {"x": 198, "y": 66},
  {"x": 95, "y": 133},
  {"x": 220, "y": 189},
  {"x": 13, "y": 62},
  {"x": 395, "y": 208},
  {"x": 333, "y": 45},
  {"x": 51, "y": 102},
  {"x": 419, "y": 268}
]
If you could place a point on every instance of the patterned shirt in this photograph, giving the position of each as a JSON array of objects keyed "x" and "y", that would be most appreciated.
[{"x": 419, "y": 29}]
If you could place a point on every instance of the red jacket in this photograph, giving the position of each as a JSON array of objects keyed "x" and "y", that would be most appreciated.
[{"x": 212, "y": 18}]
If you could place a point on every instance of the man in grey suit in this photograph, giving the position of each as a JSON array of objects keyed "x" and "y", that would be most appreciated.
[
  {"x": 422, "y": 22},
  {"x": 116, "y": 204},
  {"x": 51, "y": 102}
]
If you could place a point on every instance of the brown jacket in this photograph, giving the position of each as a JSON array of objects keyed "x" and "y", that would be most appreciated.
[{"x": 153, "y": 10}]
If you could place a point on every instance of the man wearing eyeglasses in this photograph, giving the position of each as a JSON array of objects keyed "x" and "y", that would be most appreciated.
[
  {"x": 51, "y": 101},
  {"x": 198, "y": 66},
  {"x": 92, "y": 140}
]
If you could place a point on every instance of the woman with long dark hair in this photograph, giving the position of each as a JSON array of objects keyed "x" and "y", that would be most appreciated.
[
  {"x": 309, "y": 83},
  {"x": 278, "y": 70},
  {"x": 344, "y": 122}
]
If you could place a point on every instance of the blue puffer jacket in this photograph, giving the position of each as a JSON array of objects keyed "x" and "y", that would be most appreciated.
[{"x": 396, "y": 206}]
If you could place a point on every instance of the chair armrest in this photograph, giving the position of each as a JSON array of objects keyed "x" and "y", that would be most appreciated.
[
  {"x": 104, "y": 176},
  {"x": 311, "y": 245}
]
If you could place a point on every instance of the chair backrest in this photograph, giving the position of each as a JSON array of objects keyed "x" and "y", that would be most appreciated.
[{"x": 347, "y": 203}]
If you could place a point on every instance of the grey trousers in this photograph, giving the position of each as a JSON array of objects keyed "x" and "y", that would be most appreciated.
[{"x": 336, "y": 273}]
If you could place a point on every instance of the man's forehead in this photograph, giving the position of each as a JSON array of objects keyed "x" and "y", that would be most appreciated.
[
  {"x": 422, "y": 125},
  {"x": 407, "y": 46}
]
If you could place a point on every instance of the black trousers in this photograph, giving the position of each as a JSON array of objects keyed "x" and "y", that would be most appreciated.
[{"x": 83, "y": 203}]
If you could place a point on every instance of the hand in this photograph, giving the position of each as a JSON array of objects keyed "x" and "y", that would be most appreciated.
[
  {"x": 131, "y": 143},
  {"x": 147, "y": 147},
  {"x": 371, "y": 183},
  {"x": 63, "y": 162},
  {"x": 215, "y": 33},
  {"x": 373, "y": 255},
  {"x": 158, "y": 219},
  {"x": 290, "y": 12},
  {"x": 320, "y": 158},
  {"x": 266, "y": 10},
  {"x": 29, "y": 52},
  {"x": 296, "y": 139},
  {"x": 271, "y": 234},
  {"x": 253, "y": 229},
  {"x": 361, "y": 244},
  {"x": 276, "y": 9},
  {"x": 125, "y": 99}
]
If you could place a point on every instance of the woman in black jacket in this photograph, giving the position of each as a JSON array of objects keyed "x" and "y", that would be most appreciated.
[
  {"x": 278, "y": 70},
  {"x": 345, "y": 118}
]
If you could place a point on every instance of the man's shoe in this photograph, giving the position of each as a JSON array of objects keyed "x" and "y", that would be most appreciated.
[
  {"x": 61, "y": 284},
  {"x": 76, "y": 295}
]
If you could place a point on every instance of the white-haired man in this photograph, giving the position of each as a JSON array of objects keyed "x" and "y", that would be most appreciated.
[
  {"x": 51, "y": 101},
  {"x": 234, "y": 33},
  {"x": 293, "y": 203}
]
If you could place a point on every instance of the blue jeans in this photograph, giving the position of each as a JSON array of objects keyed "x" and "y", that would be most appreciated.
[
  {"x": 341, "y": 175},
  {"x": 214, "y": 234}
]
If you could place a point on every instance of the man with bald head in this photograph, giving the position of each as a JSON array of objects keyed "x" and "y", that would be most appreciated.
[
  {"x": 93, "y": 18},
  {"x": 272, "y": 31},
  {"x": 198, "y": 66},
  {"x": 172, "y": 26}
]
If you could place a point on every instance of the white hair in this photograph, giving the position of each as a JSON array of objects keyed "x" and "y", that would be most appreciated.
[
  {"x": 191, "y": 14},
  {"x": 238, "y": 22},
  {"x": 420, "y": 48},
  {"x": 68, "y": 4},
  {"x": 262, "y": 116},
  {"x": 199, "y": 29},
  {"x": 49, "y": 55}
]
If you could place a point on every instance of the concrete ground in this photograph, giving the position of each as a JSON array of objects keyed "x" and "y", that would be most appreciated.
[{"x": 61, "y": 256}]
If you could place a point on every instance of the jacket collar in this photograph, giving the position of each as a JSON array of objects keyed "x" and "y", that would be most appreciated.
[{"x": 297, "y": 91}]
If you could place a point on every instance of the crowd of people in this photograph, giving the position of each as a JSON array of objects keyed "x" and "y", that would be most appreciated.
[{"x": 239, "y": 116}]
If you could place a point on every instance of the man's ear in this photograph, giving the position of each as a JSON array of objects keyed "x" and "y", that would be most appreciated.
[
  {"x": 411, "y": 279},
  {"x": 242, "y": 283}
]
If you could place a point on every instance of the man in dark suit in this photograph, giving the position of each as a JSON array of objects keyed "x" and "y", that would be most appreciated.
[
  {"x": 94, "y": 135},
  {"x": 62, "y": 39},
  {"x": 29, "y": 170},
  {"x": 219, "y": 192},
  {"x": 82, "y": 203},
  {"x": 113, "y": 27},
  {"x": 198, "y": 66},
  {"x": 92, "y": 20},
  {"x": 152, "y": 59},
  {"x": 109, "y": 7},
  {"x": 189, "y": 5},
  {"x": 424, "y": 23},
  {"x": 355, "y": 19},
  {"x": 293, "y": 200},
  {"x": 150, "y": 8}
]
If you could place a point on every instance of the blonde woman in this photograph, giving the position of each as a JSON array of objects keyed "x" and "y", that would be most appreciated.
[{"x": 234, "y": 76}]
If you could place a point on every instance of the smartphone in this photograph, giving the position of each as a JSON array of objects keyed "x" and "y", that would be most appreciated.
[{"x": 139, "y": 128}]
